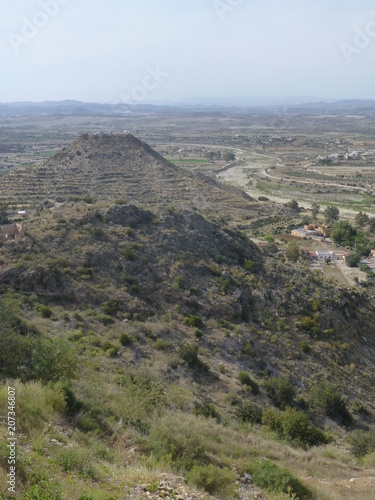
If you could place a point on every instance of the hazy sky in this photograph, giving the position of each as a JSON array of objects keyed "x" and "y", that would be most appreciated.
[{"x": 151, "y": 50}]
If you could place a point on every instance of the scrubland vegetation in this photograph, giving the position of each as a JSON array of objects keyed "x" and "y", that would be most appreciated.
[{"x": 150, "y": 338}]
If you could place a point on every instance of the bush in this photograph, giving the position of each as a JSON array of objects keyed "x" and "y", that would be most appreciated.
[
  {"x": 15, "y": 352},
  {"x": 161, "y": 345},
  {"x": 178, "y": 282},
  {"x": 280, "y": 390},
  {"x": 352, "y": 260},
  {"x": 369, "y": 460},
  {"x": 111, "y": 307},
  {"x": 266, "y": 474},
  {"x": 76, "y": 460},
  {"x": 87, "y": 271},
  {"x": 248, "y": 350},
  {"x": 44, "y": 490},
  {"x": 129, "y": 253},
  {"x": 189, "y": 353},
  {"x": 362, "y": 442},
  {"x": 182, "y": 437},
  {"x": 308, "y": 323},
  {"x": 294, "y": 426},
  {"x": 249, "y": 265},
  {"x": 193, "y": 321},
  {"x": 214, "y": 480},
  {"x": 206, "y": 410},
  {"x": 245, "y": 379},
  {"x": 45, "y": 311},
  {"x": 248, "y": 411},
  {"x": 36, "y": 404},
  {"x": 326, "y": 400},
  {"x": 52, "y": 360},
  {"x": 105, "y": 319},
  {"x": 305, "y": 346},
  {"x": 125, "y": 340}
]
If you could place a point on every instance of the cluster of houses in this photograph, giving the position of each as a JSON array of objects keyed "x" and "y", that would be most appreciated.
[
  {"x": 324, "y": 255},
  {"x": 313, "y": 231},
  {"x": 360, "y": 154}
]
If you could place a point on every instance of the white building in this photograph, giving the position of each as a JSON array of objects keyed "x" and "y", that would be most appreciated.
[{"x": 322, "y": 255}]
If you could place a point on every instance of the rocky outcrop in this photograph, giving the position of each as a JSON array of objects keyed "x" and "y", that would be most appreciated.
[{"x": 11, "y": 232}]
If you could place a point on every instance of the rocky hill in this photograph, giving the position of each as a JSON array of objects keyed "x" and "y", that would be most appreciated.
[
  {"x": 155, "y": 352},
  {"x": 118, "y": 166}
]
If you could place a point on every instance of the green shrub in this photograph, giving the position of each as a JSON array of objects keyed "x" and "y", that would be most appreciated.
[
  {"x": 87, "y": 198},
  {"x": 44, "y": 490},
  {"x": 362, "y": 442},
  {"x": 120, "y": 201},
  {"x": 248, "y": 411},
  {"x": 206, "y": 410},
  {"x": 15, "y": 351},
  {"x": 268, "y": 475},
  {"x": 224, "y": 286},
  {"x": 105, "y": 319},
  {"x": 294, "y": 426},
  {"x": 280, "y": 390},
  {"x": 248, "y": 350},
  {"x": 308, "y": 323},
  {"x": 129, "y": 253},
  {"x": 249, "y": 265},
  {"x": 141, "y": 397},
  {"x": 134, "y": 289},
  {"x": 98, "y": 234},
  {"x": 326, "y": 400},
  {"x": 223, "y": 323},
  {"x": 189, "y": 353},
  {"x": 182, "y": 437},
  {"x": 36, "y": 404},
  {"x": 125, "y": 340},
  {"x": 85, "y": 423},
  {"x": 112, "y": 352},
  {"x": 45, "y": 311},
  {"x": 193, "y": 321},
  {"x": 198, "y": 333},
  {"x": 369, "y": 460},
  {"x": 245, "y": 379},
  {"x": 213, "y": 479},
  {"x": 87, "y": 271},
  {"x": 111, "y": 307},
  {"x": 305, "y": 346},
  {"x": 161, "y": 345},
  {"x": 53, "y": 360},
  {"x": 178, "y": 282},
  {"x": 106, "y": 346},
  {"x": 76, "y": 460},
  {"x": 214, "y": 270}
]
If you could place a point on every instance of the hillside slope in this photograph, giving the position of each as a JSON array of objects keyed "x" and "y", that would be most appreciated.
[
  {"x": 118, "y": 166},
  {"x": 157, "y": 353}
]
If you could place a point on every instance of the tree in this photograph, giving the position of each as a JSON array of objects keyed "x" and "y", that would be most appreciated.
[
  {"x": 228, "y": 156},
  {"x": 293, "y": 205},
  {"x": 343, "y": 233},
  {"x": 352, "y": 260},
  {"x": 3, "y": 213},
  {"x": 331, "y": 214},
  {"x": 315, "y": 210},
  {"x": 361, "y": 219},
  {"x": 372, "y": 225},
  {"x": 292, "y": 252}
]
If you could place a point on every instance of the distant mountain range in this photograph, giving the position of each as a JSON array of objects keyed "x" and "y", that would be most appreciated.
[{"x": 279, "y": 105}]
